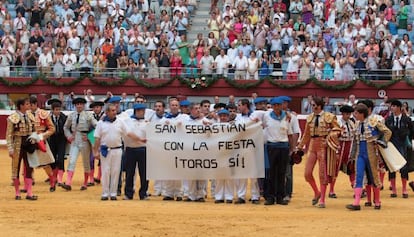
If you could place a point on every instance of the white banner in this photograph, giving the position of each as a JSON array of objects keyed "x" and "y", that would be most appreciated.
[{"x": 217, "y": 151}]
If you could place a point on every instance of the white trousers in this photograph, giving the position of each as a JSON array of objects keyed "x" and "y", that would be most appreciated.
[
  {"x": 111, "y": 166},
  {"x": 224, "y": 189},
  {"x": 173, "y": 188},
  {"x": 196, "y": 189},
  {"x": 241, "y": 188}
]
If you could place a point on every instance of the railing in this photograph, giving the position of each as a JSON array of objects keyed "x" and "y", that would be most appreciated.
[{"x": 187, "y": 72}]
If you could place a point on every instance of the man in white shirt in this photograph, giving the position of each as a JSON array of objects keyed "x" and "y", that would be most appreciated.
[
  {"x": 108, "y": 146},
  {"x": 221, "y": 63},
  {"x": 85, "y": 61},
  {"x": 45, "y": 60},
  {"x": 240, "y": 66},
  {"x": 69, "y": 61},
  {"x": 293, "y": 65}
]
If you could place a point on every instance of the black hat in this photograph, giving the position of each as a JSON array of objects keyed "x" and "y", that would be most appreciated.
[
  {"x": 396, "y": 103},
  {"x": 79, "y": 100},
  {"x": 53, "y": 101},
  {"x": 346, "y": 109},
  {"x": 96, "y": 103}
]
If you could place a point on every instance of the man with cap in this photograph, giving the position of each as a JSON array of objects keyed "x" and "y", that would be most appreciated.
[
  {"x": 20, "y": 125},
  {"x": 400, "y": 125},
  {"x": 77, "y": 126},
  {"x": 45, "y": 128},
  {"x": 97, "y": 113},
  {"x": 343, "y": 162},
  {"x": 224, "y": 187},
  {"x": 184, "y": 106},
  {"x": 135, "y": 152},
  {"x": 318, "y": 125},
  {"x": 108, "y": 147},
  {"x": 57, "y": 141},
  {"x": 115, "y": 100},
  {"x": 278, "y": 132},
  {"x": 347, "y": 125},
  {"x": 294, "y": 123}
]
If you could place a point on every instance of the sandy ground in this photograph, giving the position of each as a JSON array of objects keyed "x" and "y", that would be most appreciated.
[{"x": 81, "y": 213}]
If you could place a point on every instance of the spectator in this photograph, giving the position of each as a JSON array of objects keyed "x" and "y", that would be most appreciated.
[
  {"x": 58, "y": 63},
  {"x": 69, "y": 60},
  {"x": 86, "y": 62},
  {"x": 176, "y": 64},
  {"x": 45, "y": 61},
  {"x": 221, "y": 63},
  {"x": 99, "y": 62},
  {"x": 240, "y": 65},
  {"x": 153, "y": 65},
  {"x": 31, "y": 58},
  {"x": 111, "y": 63}
]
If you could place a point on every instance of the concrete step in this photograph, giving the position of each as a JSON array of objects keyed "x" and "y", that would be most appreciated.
[{"x": 197, "y": 19}]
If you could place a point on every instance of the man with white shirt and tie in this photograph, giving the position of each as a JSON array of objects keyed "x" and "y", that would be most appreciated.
[{"x": 401, "y": 128}]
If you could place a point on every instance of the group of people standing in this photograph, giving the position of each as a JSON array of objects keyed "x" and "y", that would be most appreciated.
[{"x": 118, "y": 140}]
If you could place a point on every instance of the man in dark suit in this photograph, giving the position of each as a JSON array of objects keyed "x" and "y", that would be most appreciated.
[
  {"x": 400, "y": 125},
  {"x": 57, "y": 141}
]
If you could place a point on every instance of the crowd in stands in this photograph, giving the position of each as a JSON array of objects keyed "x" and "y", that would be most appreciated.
[{"x": 246, "y": 39}]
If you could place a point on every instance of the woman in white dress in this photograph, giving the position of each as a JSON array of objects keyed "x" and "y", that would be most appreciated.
[
  {"x": 153, "y": 65},
  {"x": 252, "y": 67},
  {"x": 338, "y": 67}
]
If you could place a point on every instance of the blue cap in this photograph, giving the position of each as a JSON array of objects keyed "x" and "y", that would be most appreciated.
[
  {"x": 115, "y": 99},
  {"x": 185, "y": 103},
  {"x": 139, "y": 106},
  {"x": 276, "y": 100},
  {"x": 259, "y": 100},
  {"x": 286, "y": 98},
  {"x": 223, "y": 111}
]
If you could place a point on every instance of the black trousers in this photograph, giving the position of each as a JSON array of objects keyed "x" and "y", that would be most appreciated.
[
  {"x": 57, "y": 146},
  {"x": 134, "y": 156},
  {"x": 278, "y": 160}
]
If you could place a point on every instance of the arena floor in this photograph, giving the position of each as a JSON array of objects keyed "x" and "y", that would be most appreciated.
[{"x": 81, "y": 213}]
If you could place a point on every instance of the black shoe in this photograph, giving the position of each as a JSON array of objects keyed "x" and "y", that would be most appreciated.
[
  {"x": 240, "y": 201},
  {"x": 269, "y": 202},
  {"x": 255, "y": 201},
  {"x": 411, "y": 184},
  {"x": 59, "y": 184},
  {"x": 393, "y": 195},
  {"x": 179, "y": 199},
  {"x": 113, "y": 198},
  {"x": 166, "y": 198},
  {"x": 377, "y": 207},
  {"x": 104, "y": 198},
  {"x": 229, "y": 201},
  {"x": 316, "y": 200},
  {"x": 90, "y": 184},
  {"x": 200, "y": 200},
  {"x": 98, "y": 181},
  {"x": 145, "y": 198},
  {"x": 52, "y": 189},
  {"x": 31, "y": 198},
  {"x": 47, "y": 180},
  {"x": 368, "y": 204},
  {"x": 218, "y": 201},
  {"x": 364, "y": 193},
  {"x": 66, "y": 187},
  {"x": 127, "y": 198},
  {"x": 23, "y": 190},
  {"x": 83, "y": 188},
  {"x": 332, "y": 195},
  {"x": 353, "y": 207},
  {"x": 188, "y": 200},
  {"x": 18, "y": 198},
  {"x": 405, "y": 195},
  {"x": 282, "y": 202}
]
